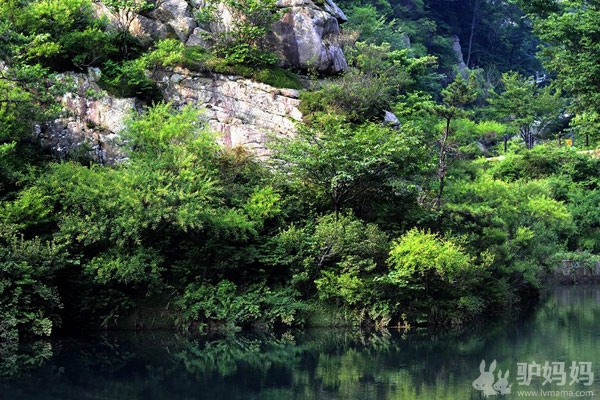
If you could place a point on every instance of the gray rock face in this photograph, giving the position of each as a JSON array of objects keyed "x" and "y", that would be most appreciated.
[
  {"x": 90, "y": 124},
  {"x": 170, "y": 18},
  {"x": 456, "y": 47},
  {"x": 307, "y": 36},
  {"x": 177, "y": 15},
  {"x": 244, "y": 111}
]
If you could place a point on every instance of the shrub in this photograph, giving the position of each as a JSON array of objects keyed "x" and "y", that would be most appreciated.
[{"x": 234, "y": 307}]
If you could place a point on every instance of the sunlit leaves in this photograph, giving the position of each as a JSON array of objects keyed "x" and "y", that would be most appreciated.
[{"x": 418, "y": 253}]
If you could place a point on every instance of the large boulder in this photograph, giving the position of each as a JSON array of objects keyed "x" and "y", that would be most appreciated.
[
  {"x": 170, "y": 18},
  {"x": 307, "y": 36}
]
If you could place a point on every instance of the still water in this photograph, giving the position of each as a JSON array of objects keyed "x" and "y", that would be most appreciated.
[{"x": 325, "y": 364}]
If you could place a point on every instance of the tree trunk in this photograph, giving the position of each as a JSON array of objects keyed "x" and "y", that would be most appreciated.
[
  {"x": 442, "y": 171},
  {"x": 472, "y": 33}
]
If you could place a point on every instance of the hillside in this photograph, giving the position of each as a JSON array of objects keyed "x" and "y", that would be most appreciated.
[{"x": 260, "y": 164}]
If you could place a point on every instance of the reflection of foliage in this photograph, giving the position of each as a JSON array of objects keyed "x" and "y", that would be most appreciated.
[
  {"x": 346, "y": 364},
  {"x": 224, "y": 356}
]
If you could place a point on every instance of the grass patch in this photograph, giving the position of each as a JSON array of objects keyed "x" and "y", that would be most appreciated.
[
  {"x": 172, "y": 53},
  {"x": 269, "y": 74}
]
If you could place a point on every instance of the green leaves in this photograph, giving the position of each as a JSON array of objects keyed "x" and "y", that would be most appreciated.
[
  {"x": 244, "y": 43},
  {"x": 56, "y": 34},
  {"x": 363, "y": 93},
  {"x": 228, "y": 305},
  {"x": 572, "y": 52},
  {"x": 29, "y": 300},
  {"x": 346, "y": 255},
  {"x": 115, "y": 214},
  {"x": 178, "y": 135},
  {"x": 416, "y": 254},
  {"x": 520, "y": 223},
  {"x": 176, "y": 209},
  {"x": 344, "y": 162},
  {"x": 437, "y": 276},
  {"x": 526, "y": 107}
]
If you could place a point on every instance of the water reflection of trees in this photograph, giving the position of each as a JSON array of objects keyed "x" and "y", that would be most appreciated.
[
  {"x": 316, "y": 364},
  {"x": 311, "y": 365}
]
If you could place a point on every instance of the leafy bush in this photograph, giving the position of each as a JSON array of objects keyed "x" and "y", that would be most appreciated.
[
  {"x": 29, "y": 300},
  {"x": 374, "y": 83},
  {"x": 233, "y": 307},
  {"x": 58, "y": 34},
  {"x": 129, "y": 79},
  {"x": 339, "y": 258},
  {"x": 519, "y": 223},
  {"x": 420, "y": 257},
  {"x": 244, "y": 44},
  {"x": 544, "y": 161},
  {"x": 438, "y": 272}
]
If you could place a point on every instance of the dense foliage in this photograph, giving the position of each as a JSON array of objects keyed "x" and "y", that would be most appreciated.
[{"x": 353, "y": 221}]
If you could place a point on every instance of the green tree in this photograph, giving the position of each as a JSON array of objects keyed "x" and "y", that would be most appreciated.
[
  {"x": 569, "y": 30},
  {"x": 342, "y": 163},
  {"x": 455, "y": 97},
  {"x": 346, "y": 255},
  {"x": 526, "y": 107}
]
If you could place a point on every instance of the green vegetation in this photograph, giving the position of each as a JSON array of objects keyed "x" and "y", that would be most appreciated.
[
  {"x": 385, "y": 224},
  {"x": 570, "y": 30}
]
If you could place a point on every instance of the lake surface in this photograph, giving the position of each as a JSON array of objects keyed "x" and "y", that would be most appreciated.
[{"x": 324, "y": 364}]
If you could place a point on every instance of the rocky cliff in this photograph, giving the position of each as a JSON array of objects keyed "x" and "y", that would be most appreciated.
[
  {"x": 90, "y": 122},
  {"x": 245, "y": 112},
  {"x": 305, "y": 37}
]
